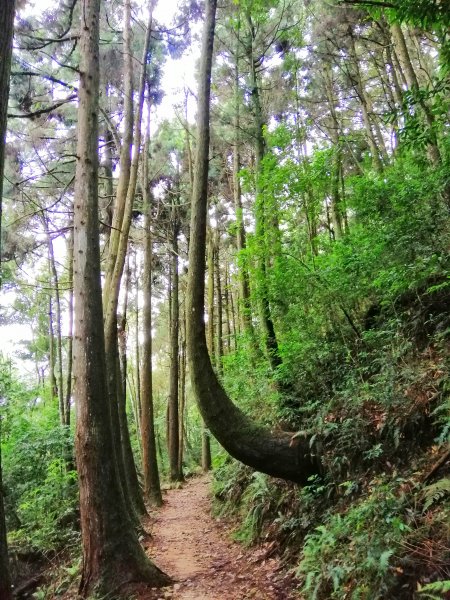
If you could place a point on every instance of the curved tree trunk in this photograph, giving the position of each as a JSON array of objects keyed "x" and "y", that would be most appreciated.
[
  {"x": 112, "y": 555},
  {"x": 271, "y": 453}
]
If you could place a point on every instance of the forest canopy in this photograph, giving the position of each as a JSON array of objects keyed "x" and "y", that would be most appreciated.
[{"x": 251, "y": 276}]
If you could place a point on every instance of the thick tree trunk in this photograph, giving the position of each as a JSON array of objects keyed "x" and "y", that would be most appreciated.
[
  {"x": 112, "y": 555},
  {"x": 271, "y": 453}
]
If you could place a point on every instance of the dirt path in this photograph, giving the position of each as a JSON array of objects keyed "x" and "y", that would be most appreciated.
[{"x": 196, "y": 550}]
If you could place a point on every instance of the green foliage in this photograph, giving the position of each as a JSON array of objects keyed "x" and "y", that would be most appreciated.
[
  {"x": 435, "y": 492},
  {"x": 435, "y": 590},
  {"x": 41, "y": 493},
  {"x": 350, "y": 554},
  {"x": 46, "y": 510}
]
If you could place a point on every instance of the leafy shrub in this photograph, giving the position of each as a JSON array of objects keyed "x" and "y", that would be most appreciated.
[{"x": 350, "y": 554}]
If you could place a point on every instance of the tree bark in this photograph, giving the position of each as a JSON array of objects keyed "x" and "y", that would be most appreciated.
[
  {"x": 210, "y": 292},
  {"x": 241, "y": 242},
  {"x": 173, "y": 413},
  {"x": 112, "y": 555},
  {"x": 68, "y": 397},
  {"x": 219, "y": 305},
  {"x": 152, "y": 488},
  {"x": 261, "y": 224},
  {"x": 271, "y": 453},
  {"x": 59, "y": 388}
]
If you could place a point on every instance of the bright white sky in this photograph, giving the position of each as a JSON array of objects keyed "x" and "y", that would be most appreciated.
[{"x": 178, "y": 75}]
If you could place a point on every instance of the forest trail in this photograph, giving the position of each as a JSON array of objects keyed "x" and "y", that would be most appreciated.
[{"x": 197, "y": 551}]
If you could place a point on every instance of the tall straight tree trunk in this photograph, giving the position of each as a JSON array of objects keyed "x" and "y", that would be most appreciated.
[
  {"x": 68, "y": 396},
  {"x": 210, "y": 291},
  {"x": 137, "y": 332},
  {"x": 173, "y": 412},
  {"x": 119, "y": 240},
  {"x": 182, "y": 386},
  {"x": 152, "y": 488},
  {"x": 244, "y": 284},
  {"x": 336, "y": 206},
  {"x": 112, "y": 555},
  {"x": 132, "y": 481},
  {"x": 277, "y": 454},
  {"x": 56, "y": 333},
  {"x": 125, "y": 154},
  {"x": 261, "y": 224},
  {"x": 227, "y": 312},
  {"x": 219, "y": 305},
  {"x": 51, "y": 351},
  {"x": 206, "y": 450}
]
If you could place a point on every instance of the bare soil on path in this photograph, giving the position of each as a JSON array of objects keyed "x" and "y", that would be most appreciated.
[{"x": 196, "y": 550}]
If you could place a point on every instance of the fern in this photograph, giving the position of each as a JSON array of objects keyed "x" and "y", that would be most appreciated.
[
  {"x": 435, "y": 492},
  {"x": 438, "y": 587}
]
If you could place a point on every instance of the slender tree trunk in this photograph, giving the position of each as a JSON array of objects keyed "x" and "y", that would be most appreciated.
[
  {"x": 276, "y": 454},
  {"x": 182, "y": 387},
  {"x": 137, "y": 332},
  {"x": 118, "y": 248},
  {"x": 132, "y": 481},
  {"x": 226, "y": 298},
  {"x": 51, "y": 351},
  {"x": 244, "y": 284},
  {"x": 120, "y": 232},
  {"x": 219, "y": 305},
  {"x": 125, "y": 156},
  {"x": 261, "y": 224},
  {"x": 174, "y": 421},
  {"x": 336, "y": 205},
  {"x": 210, "y": 292},
  {"x": 152, "y": 488},
  {"x": 206, "y": 450},
  {"x": 59, "y": 387}
]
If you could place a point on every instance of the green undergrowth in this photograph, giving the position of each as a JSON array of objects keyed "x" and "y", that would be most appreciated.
[
  {"x": 363, "y": 329},
  {"x": 375, "y": 524}
]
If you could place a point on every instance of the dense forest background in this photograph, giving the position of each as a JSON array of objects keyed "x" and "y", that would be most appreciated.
[{"x": 326, "y": 291}]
